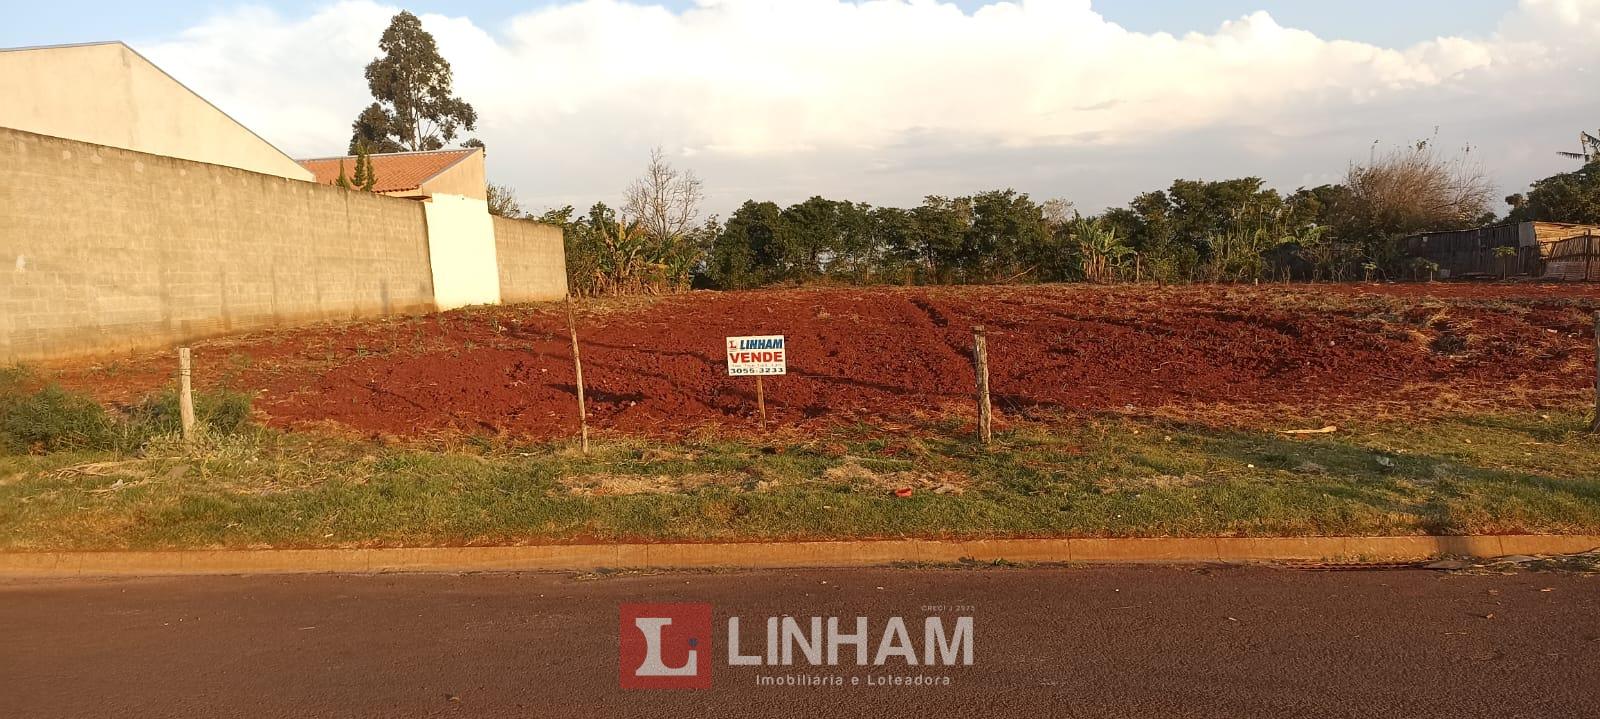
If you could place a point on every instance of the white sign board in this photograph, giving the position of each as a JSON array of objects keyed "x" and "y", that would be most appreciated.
[{"x": 757, "y": 356}]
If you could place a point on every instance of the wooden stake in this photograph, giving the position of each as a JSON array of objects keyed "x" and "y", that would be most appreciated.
[
  {"x": 577, "y": 373},
  {"x": 185, "y": 394},
  {"x": 761, "y": 401},
  {"x": 1595, "y": 425},
  {"x": 980, "y": 362}
]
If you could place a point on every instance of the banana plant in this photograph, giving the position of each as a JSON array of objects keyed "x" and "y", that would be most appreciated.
[
  {"x": 1588, "y": 148},
  {"x": 1099, "y": 249}
]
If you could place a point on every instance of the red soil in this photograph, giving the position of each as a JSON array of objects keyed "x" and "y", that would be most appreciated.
[{"x": 657, "y": 367}]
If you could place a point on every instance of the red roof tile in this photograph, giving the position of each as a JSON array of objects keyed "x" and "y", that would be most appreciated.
[{"x": 397, "y": 171}]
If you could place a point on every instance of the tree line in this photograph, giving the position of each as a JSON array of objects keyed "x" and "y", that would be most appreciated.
[
  {"x": 1235, "y": 230},
  {"x": 1193, "y": 230}
]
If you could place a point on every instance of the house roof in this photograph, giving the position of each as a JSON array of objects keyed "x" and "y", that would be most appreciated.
[{"x": 395, "y": 171}]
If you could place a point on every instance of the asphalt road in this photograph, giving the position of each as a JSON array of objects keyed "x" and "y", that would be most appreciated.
[{"x": 1081, "y": 642}]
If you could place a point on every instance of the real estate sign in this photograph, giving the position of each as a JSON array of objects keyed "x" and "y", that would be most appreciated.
[{"x": 757, "y": 356}]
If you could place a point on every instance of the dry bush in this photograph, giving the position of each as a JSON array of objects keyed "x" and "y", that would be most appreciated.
[
  {"x": 665, "y": 201},
  {"x": 1414, "y": 189}
]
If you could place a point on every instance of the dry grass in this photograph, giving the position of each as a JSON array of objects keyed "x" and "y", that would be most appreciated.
[
  {"x": 854, "y": 473},
  {"x": 623, "y": 485}
]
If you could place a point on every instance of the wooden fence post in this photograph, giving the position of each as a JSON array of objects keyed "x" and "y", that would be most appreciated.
[
  {"x": 185, "y": 394},
  {"x": 980, "y": 362},
  {"x": 1595, "y": 425},
  {"x": 577, "y": 373}
]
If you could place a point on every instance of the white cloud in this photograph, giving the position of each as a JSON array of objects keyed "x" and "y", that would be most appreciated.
[{"x": 885, "y": 101}]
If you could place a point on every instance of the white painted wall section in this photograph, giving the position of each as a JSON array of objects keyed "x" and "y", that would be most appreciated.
[{"x": 461, "y": 249}]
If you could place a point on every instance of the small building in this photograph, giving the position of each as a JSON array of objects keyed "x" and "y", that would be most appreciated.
[
  {"x": 137, "y": 215},
  {"x": 106, "y": 94},
  {"x": 1476, "y": 253},
  {"x": 412, "y": 175}
]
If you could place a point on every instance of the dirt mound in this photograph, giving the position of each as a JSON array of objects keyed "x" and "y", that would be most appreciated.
[{"x": 657, "y": 368}]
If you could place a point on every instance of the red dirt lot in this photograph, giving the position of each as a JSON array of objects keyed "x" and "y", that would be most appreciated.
[{"x": 656, "y": 366}]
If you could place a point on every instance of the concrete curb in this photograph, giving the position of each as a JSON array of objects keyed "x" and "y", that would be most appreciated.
[{"x": 779, "y": 555}]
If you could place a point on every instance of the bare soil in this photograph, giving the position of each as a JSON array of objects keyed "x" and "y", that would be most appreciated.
[{"x": 655, "y": 366}]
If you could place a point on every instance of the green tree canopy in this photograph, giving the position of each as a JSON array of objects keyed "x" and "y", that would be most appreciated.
[
  {"x": 365, "y": 178},
  {"x": 411, "y": 84},
  {"x": 1004, "y": 239},
  {"x": 749, "y": 251},
  {"x": 1567, "y": 197}
]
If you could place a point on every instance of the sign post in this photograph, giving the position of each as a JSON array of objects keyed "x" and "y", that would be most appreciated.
[
  {"x": 761, "y": 402},
  {"x": 758, "y": 356}
]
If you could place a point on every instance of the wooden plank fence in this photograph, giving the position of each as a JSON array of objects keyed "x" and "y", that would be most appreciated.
[{"x": 1574, "y": 258}]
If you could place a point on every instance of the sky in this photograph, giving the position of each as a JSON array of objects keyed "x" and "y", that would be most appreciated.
[{"x": 888, "y": 101}]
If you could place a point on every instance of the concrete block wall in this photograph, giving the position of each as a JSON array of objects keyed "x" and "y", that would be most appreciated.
[
  {"x": 104, "y": 250},
  {"x": 532, "y": 260}
]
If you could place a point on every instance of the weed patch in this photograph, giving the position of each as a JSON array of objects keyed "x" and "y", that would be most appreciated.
[
  {"x": 1102, "y": 477},
  {"x": 37, "y": 417}
]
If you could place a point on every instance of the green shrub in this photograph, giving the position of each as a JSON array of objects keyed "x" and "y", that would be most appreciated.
[
  {"x": 219, "y": 412},
  {"x": 40, "y": 417},
  {"x": 52, "y": 419},
  {"x": 13, "y": 379}
]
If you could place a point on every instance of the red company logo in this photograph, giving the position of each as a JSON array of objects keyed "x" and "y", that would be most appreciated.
[{"x": 665, "y": 646}]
